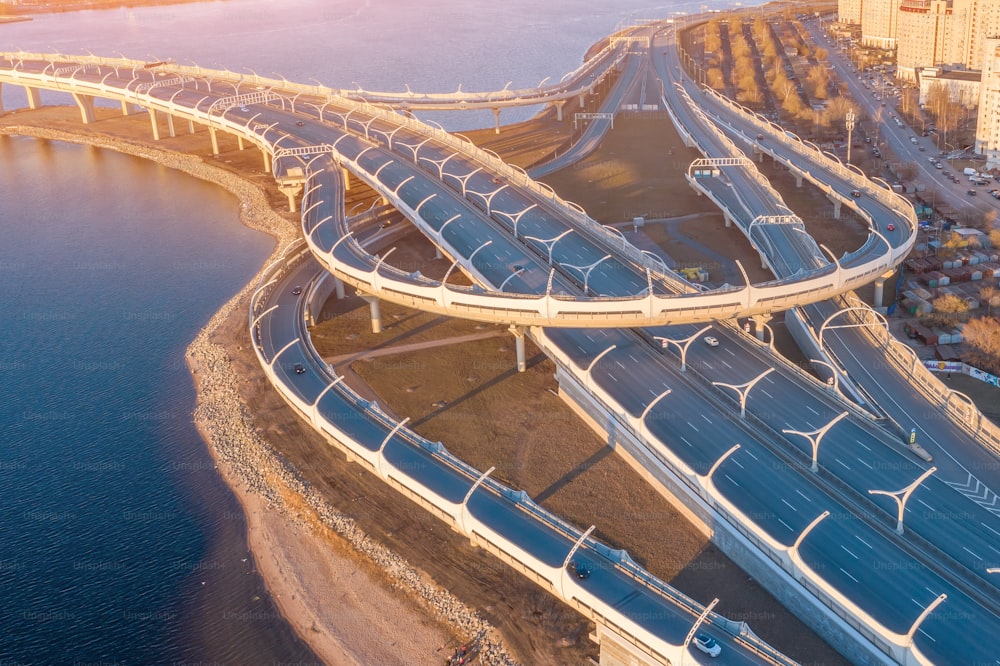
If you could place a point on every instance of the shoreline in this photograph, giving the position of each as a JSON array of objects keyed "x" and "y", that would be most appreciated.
[{"x": 291, "y": 532}]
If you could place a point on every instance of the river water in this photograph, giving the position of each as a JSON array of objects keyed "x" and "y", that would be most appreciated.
[{"x": 118, "y": 541}]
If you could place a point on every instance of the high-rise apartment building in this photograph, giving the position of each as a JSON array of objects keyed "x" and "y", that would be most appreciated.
[
  {"x": 849, "y": 11},
  {"x": 988, "y": 121},
  {"x": 929, "y": 33},
  {"x": 878, "y": 23}
]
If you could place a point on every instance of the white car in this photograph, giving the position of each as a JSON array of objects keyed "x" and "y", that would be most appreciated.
[
  {"x": 711, "y": 341},
  {"x": 708, "y": 645}
]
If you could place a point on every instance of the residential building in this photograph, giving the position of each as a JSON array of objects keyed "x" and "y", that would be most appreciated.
[
  {"x": 849, "y": 11},
  {"x": 988, "y": 120},
  {"x": 878, "y": 23}
]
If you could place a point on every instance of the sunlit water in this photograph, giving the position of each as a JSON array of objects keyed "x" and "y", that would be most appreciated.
[{"x": 118, "y": 541}]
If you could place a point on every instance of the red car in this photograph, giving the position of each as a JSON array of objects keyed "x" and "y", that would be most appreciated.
[{"x": 891, "y": 227}]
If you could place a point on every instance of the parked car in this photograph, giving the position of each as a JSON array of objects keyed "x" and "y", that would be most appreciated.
[
  {"x": 971, "y": 193},
  {"x": 708, "y": 645}
]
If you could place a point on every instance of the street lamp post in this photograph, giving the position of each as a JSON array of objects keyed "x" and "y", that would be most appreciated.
[{"x": 849, "y": 124}]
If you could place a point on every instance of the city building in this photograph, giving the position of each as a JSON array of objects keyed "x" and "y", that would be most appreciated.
[
  {"x": 928, "y": 33},
  {"x": 962, "y": 85},
  {"x": 988, "y": 120},
  {"x": 878, "y": 23},
  {"x": 849, "y": 11}
]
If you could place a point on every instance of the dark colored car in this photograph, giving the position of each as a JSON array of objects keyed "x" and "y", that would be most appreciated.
[
  {"x": 296, "y": 290},
  {"x": 299, "y": 369},
  {"x": 299, "y": 123},
  {"x": 891, "y": 227},
  {"x": 580, "y": 569}
]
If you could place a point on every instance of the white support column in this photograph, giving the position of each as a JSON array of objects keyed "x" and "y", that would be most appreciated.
[
  {"x": 190, "y": 127},
  {"x": 338, "y": 285},
  {"x": 239, "y": 141},
  {"x": 86, "y": 105},
  {"x": 170, "y": 125},
  {"x": 496, "y": 119},
  {"x": 34, "y": 97},
  {"x": 267, "y": 160},
  {"x": 518, "y": 332},
  {"x": 347, "y": 179},
  {"x": 155, "y": 124},
  {"x": 215, "y": 141},
  {"x": 376, "y": 313},
  {"x": 126, "y": 108}
]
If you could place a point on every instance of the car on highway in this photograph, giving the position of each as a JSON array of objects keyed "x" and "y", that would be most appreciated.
[
  {"x": 891, "y": 227},
  {"x": 299, "y": 369},
  {"x": 711, "y": 341},
  {"x": 299, "y": 123},
  {"x": 760, "y": 137},
  {"x": 296, "y": 290},
  {"x": 708, "y": 645},
  {"x": 244, "y": 109},
  {"x": 580, "y": 569},
  {"x": 856, "y": 194},
  {"x": 971, "y": 193}
]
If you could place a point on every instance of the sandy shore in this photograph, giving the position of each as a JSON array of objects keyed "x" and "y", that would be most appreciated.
[{"x": 351, "y": 599}]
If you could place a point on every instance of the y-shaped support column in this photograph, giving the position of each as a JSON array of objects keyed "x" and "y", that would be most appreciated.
[{"x": 518, "y": 332}]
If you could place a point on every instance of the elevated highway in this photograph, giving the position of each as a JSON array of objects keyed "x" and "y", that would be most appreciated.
[{"x": 373, "y": 145}]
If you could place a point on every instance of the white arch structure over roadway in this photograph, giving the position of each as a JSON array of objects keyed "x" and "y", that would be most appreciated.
[{"x": 37, "y": 71}]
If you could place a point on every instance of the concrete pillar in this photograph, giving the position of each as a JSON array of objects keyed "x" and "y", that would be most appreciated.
[
  {"x": 126, "y": 108},
  {"x": 582, "y": 99},
  {"x": 267, "y": 160},
  {"x": 879, "y": 295},
  {"x": 385, "y": 202},
  {"x": 798, "y": 180},
  {"x": 215, "y": 141},
  {"x": 338, "y": 285},
  {"x": 758, "y": 324},
  {"x": 170, "y": 125},
  {"x": 34, "y": 97},
  {"x": 728, "y": 218},
  {"x": 347, "y": 179},
  {"x": 496, "y": 119},
  {"x": 763, "y": 260},
  {"x": 190, "y": 127},
  {"x": 437, "y": 252},
  {"x": 292, "y": 190},
  {"x": 239, "y": 141},
  {"x": 836, "y": 210},
  {"x": 376, "y": 313},
  {"x": 86, "y": 105},
  {"x": 518, "y": 332},
  {"x": 155, "y": 124},
  {"x": 559, "y": 104}
]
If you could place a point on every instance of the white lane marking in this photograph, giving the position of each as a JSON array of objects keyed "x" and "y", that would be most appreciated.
[
  {"x": 862, "y": 541},
  {"x": 926, "y": 504},
  {"x": 684, "y": 439},
  {"x": 867, "y": 448},
  {"x": 619, "y": 364},
  {"x": 737, "y": 463},
  {"x": 749, "y": 453},
  {"x": 865, "y": 464},
  {"x": 809, "y": 407},
  {"x": 706, "y": 418},
  {"x": 693, "y": 427},
  {"x": 729, "y": 351},
  {"x": 990, "y": 528},
  {"x": 613, "y": 378},
  {"x": 848, "y": 575},
  {"x": 842, "y": 463},
  {"x": 725, "y": 364},
  {"x": 730, "y": 479},
  {"x": 915, "y": 602},
  {"x": 971, "y": 553},
  {"x": 634, "y": 360},
  {"x": 767, "y": 394},
  {"x": 789, "y": 505},
  {"x": 786, "y": 525},
  {"x": 927, "y": 635},
  {"x": 803, "y": 495},
  {"x": 849, "y": 552}
]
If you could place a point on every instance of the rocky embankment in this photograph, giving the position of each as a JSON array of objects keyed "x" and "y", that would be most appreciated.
[{"x": 235, "y": 439}]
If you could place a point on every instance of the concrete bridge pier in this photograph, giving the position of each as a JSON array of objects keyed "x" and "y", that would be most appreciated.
[
  {"x": 559, "y": 104},
  {"x": 267, "y": 160},
  {"x": 34, "y": 97},
  {"x": 759, "y": 321},
  {"x": 190, "y": 127},
  {"x": 239, "y": 141},
  {"x": 437, "y": 253},
  {"x": 155, "y": 124},
  {"x": 291, "y": 189},
  {"x": 215, "y": 141},
  {"x": 518, "y": 332},
  {"x": 836, "y": 209},
  {"x": 496, "y": 119},
  {"x": 347, "y": 179},
  {"x": 170, "y": 125},
  {"x": 126, "y": 108},
  {"x": 376, "y": 312},
  {"x": 86, "y": 105},
  {"x": 763, "y": 260},
  {"x": 798, "y": 180},
  {"x": 338, "y": 286},
  {"x": 879, "y": 290}
]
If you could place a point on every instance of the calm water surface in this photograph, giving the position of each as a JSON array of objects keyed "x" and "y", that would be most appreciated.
[{"x": 118, "y": 541}]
